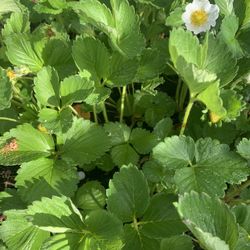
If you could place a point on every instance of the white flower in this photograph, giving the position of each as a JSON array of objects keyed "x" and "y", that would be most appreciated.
[{"x": 200, "y": 16}]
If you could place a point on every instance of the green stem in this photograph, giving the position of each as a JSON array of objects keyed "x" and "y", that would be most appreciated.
[
  {"x": 122, "y": 102},
  {"x": 8, "y": 119},
  {"x": 182, "y": 97},
  {"x": 74, "y": 111},
  {"x": 177, "y": 93},
  {"x": 185, "y": 119},
  {"x": 95, "y": 114},
  {"x": 104, "y": 112}
]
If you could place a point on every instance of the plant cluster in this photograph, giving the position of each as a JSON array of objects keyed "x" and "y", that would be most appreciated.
[{"x": 125, "y": 124}]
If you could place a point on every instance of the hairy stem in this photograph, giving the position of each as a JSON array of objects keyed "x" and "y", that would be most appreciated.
[
  {"x": 187, "y": 113},
  {"x": 122, "y": 102}
]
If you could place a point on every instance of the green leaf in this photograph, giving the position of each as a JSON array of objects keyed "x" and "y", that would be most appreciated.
[
  {"x": 58, "y": 54},
  {"x": 126, "y": 38},
  {"x": 91, "y": 196},
  {"x": 215, "y": 227},
  {"x": 117, "y": 132},
  {"x": 150, "y": 65},
  {"x": 5, "y": 90},
  {"x": 180, "y": 242},
  {"x": 17, "y": 23},
  {"x": 185, "y": 44},
  {"x": 161, "y": 219},
  {"x": 142, "y": 140},
  {"x": 243, "y": 40},
  {"x": 9, "y": 199},
  {"x": 95, "y": 13},
  {"x": 232, "y": 103},
  {"x": 47, "y": 87},
  {"x": 229, "y": 28},
  {"x": 197, "y": 164},
  {"x": 23, "y": 144},
  {"x": 18, "y": 234},
  {"x": 128, "y": 194},
  {"x": 211, "y": 98},
  {"x": 9, "y": 6},
  {"x": 134, "y": 240},
  {"x": 57, "y": 215},
  {"x": 174, "y": 19},
  {"x": 59, "y": 176},
  {"x": 124, "y": 154},
  {"x": 122, "y": 70},
  {"x": 101, "y": 230},
  {"x": 88, "y": 139},
  {"x": 91, "y": 55},
  {"x": 226, "y": 6},
  {"x": 56, "y": 121},
  {"x": 244, "y": 148},
  {"x": 175, "y": 152},
  {"x": 242, "y": 213},
  {"x": 75, "y": 89},
  {"x": 196, "y": 79},
  {"x": 20, "y": 52},
  {"x": 163, "y": 128}
]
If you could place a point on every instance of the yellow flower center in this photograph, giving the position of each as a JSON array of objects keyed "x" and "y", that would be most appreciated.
[
  {"x": 11, "y": 74},
  {"x": 199, "y": 17}
]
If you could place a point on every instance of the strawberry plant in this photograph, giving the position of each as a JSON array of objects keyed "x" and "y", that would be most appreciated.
[{"x": 124, "y": 124}]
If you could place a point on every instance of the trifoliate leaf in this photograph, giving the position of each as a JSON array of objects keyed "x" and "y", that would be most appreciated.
[
  {"x": 142, "y": 140},
  {"x": 209, "y": 220},
  {"x": 23, "y": 144},
  {"x": 47, "y": 87},
  {"x": 57, "y": 215},
  {"x": 5, "y": 90},
  {"x": 21, "y": 53},
  {"x": 17, "y": 233},
  {"x": 128, "y": 194},
  {"x": 208, "y": 172},
  {"x": 161, "y": 219},
  {"x": 84, "y": 142},
  {"x": 91, "y": 196},
  {"x": 60, "y": 178},
  {"x": 92, "y": 55},
  {"x": 179, "y": 242}
]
